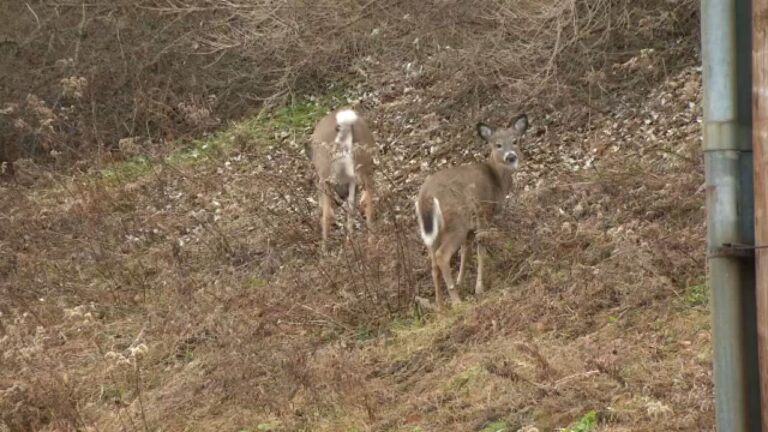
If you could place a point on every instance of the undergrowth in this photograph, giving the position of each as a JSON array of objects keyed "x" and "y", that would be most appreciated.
[
  {"x": 82, "y": 78},
  {"x": 180, "y": 287},
  {"x": 290, "y": 122},
  {"x": 586, "y": 423}
]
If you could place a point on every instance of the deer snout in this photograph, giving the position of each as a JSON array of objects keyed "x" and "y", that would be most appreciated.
[{"x": 510, "y": 157}]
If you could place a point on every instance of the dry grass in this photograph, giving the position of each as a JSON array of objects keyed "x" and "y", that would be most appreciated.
[
  {"x": 183, "y": 290},
  {"x": 82, "y": 77},
  {"x": 190, "y": 295}
]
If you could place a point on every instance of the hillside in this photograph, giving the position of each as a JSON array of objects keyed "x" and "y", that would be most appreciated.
[{"x": 181, "y": 288}]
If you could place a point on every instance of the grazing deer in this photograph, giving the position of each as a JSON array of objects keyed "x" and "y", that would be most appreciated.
[
  {"x": 454, "y": 204},
  {"x": 340, "y": 149}
]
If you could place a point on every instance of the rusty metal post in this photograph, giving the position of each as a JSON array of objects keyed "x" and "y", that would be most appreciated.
[
  {"x": 726, "y": 48},
  {"x": 760, "y": 147}
]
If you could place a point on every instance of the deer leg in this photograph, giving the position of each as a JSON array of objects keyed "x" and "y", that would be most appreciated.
[
  {"x": 443, "y": 256},
  {"x": 350, "y": 208},
  {"x": 366, "y": 202},
  {"x": 482, "y": 253},
  {"x": 436, "y": 279},
  {"x": 463, "y": 266},
  {"x": 326, "y": 209}
]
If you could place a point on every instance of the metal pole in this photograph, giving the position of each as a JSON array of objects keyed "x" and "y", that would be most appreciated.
[
  {"x": 760, "y": 145},
  {"x": 727, "y": 144}
]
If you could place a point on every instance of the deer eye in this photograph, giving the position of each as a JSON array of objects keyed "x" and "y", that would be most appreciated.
[{"x": 498, "y": 146}]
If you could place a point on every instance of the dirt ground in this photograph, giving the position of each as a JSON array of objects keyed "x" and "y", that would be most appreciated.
[{"x": 182, "y": 289}]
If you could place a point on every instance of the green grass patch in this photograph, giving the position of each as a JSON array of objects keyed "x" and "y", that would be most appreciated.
[
  {"x": 698, "y": 294},
  {"x": 268, "y": 127},
  {"x": 298, "y": 116},
  {"x": 203, "y": 150},
  {"x": 296, "y": 119},
  {"x": 586, "y": 423},
  {"x": 127, "y": 171}
]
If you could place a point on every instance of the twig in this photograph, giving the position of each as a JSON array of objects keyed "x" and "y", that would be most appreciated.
[
  {"x": 37, "y": 19},
  {"x": 80, "y": 33},
  {"x": 586, "y": 374},
  {"x": 324, "y": 315}
]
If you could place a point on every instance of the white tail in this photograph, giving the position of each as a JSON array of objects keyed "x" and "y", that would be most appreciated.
[
  {"x": 346, "y": 117},
  {"x": 437, "y": 217}
]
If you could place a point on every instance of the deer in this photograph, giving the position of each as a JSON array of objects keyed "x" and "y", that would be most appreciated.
[
  {"x": 341, "y": 149},
  {"x": 453, "y": 205}
]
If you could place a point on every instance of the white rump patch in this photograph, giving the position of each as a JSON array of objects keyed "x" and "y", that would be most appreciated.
[{"x": 346, "y": 117}]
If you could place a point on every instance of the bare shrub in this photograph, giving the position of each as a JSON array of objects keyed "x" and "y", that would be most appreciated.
[{"x": 167, "y": 71}]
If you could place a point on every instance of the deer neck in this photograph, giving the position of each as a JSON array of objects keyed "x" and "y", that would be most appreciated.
[{"x": 501, "y": 176}]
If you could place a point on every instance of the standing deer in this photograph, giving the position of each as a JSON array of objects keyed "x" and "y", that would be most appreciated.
[
  {"x": 454, "y": 204},
  {"x": 340, "y": 149}
]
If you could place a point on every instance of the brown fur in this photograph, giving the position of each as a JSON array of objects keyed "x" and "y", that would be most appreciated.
[
  {"x": 322, "y": 151},
  {"x": 468, "y": 196}
]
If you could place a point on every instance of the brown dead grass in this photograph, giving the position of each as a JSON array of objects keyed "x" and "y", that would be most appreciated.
[
  {"x": 190, "y": 296},
  {"x": 82, "y": 79}
]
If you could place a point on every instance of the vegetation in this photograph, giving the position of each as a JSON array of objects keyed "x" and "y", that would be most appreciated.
[{"x": 159, "y": 265}]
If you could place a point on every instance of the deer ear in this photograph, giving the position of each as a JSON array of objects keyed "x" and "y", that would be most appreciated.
[
  {"x": 484, "y": 131},
  {"x": 520, "y": 123}
]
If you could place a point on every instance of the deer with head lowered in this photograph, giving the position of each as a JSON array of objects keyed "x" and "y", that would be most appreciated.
[
  {"x": 340, "y": 149},
  {"x": 454, "y": 204}
]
